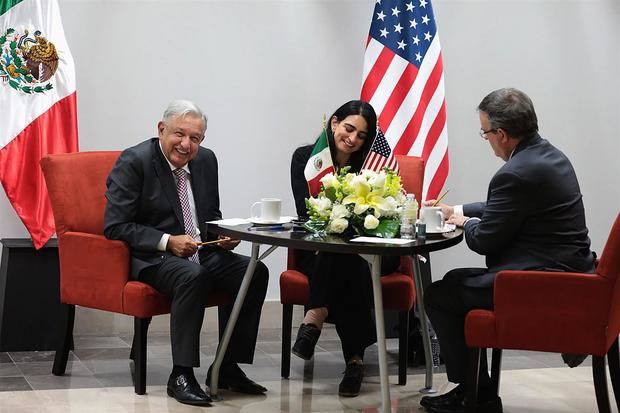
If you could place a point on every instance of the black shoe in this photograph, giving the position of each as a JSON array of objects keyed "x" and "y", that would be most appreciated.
[
  {"x": 352, "y": 380},
  {"x": 573, "y": 360},
  {"x": 233, "y": 378},
  {"x": 490, "y": 406},
  {"x": 185, "y": 389},
  {"x": 307, "y": 336},
  {"x": 456, "y": 395}
]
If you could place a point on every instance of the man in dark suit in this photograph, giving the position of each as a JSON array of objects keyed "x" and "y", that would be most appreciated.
[
  {"x": 533, "y": 219},
  {"x": 160, "y": 195}
]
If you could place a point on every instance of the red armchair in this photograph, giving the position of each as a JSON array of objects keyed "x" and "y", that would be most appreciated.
[
  {"x": 555, "y": 312},
  {"x": 398, "y": 288},
  {"x": 94, "y": 271}
]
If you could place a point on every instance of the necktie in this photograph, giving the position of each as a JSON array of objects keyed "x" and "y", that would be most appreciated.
[{"x": 188, "y": 221}]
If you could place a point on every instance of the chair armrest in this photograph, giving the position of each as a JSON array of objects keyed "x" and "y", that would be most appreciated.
[
  {"x": 93, "y": 270},
  {"x": 551, "y": 307}
]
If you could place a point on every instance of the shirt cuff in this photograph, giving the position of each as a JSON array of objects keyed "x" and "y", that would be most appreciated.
[
  {"x": 163, "y": 242},
  {"x": 470, "y": 219},
  {"x": 458, "y": 210}
]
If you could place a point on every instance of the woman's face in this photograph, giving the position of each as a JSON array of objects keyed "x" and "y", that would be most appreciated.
[{"x": 350, "y": 133}]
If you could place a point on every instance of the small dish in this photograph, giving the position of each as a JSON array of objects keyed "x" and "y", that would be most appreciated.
[
  {"x": 260, "y": 221},
  {"x": 446, "y": 228}
]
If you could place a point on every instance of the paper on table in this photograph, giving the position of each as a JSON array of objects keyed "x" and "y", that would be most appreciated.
[
  {"x": 383, "y": 240},
  {"x": 229, "y": 221}
]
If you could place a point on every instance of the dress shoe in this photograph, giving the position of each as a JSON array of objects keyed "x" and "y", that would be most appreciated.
[
  {"x": 489, "y": 406},
  {"x": 456, "y": 395},
  {"x": 233, "y": 378},
  {"x": 352, "y": 381},
  {"x": 307, "y": 336},
  {"x": 185, "y": 389}
]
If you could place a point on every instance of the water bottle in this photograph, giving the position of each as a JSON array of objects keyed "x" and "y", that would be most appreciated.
[{"x": 408, "y": 217}]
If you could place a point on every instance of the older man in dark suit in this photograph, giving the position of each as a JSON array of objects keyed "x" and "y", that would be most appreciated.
[
  {"x": 533, "y": 219},
  {"x": 160, "y": 195}
]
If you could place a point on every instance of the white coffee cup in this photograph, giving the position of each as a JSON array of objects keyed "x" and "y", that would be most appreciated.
[
  {"x": 270, "y": 210},
  {"x": 433, "y": 218}
]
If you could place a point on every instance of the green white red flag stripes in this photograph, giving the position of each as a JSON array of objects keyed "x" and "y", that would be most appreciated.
[
  {"x": 37, "y": 106},
  {"x": 319, "y": 164}
]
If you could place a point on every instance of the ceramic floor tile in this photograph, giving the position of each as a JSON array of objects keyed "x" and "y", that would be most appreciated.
[
  {"x": 8, "y": 384},
  {"x": 5, "y": 358},
  {"x": 9, "y": 369},
  {"x": 31, "y": 356},
  {"x": 98, "y": 342},
  {"x": 93, "y": 353},
  {"x": 44, "y": 368}
]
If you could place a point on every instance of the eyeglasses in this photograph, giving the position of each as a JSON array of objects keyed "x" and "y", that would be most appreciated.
[{"x": 483, "y": 132}]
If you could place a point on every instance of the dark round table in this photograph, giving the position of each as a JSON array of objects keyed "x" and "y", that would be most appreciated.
[{"x": 291, "y": 236}]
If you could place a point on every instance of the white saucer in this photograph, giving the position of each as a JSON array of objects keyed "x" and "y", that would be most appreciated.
[
  {"x": 260, "y": 221},
  {"x": 446, "y": 228}
]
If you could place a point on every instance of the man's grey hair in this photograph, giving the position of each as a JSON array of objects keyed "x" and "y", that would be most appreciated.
[
  {"x": 511, "y": 110},
  {"x": 181, "y": 108}
]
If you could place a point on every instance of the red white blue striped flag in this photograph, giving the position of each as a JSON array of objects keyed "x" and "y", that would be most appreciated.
[{"x": 403, "y": 80}]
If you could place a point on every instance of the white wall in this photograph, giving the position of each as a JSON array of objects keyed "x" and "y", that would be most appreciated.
[{"x": 266, "y": 71}]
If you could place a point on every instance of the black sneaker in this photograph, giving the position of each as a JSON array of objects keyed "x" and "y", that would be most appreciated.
[
  {"x": 307, "y": 336},
  {"x": 352, "y": 381}
]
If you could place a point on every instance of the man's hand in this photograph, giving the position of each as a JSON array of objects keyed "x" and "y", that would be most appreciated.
[
  {"x": 447, "y": 210},
  {"x": 229, "y": 244},
  {"x": 182, "y": 245},
  {"x": 458, "y": 220}
]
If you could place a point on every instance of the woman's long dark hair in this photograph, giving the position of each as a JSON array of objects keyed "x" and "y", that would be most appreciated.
[{"x": 354, "y": 107}]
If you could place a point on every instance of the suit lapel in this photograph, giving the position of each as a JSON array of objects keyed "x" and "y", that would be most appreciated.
[{"x": 162, "y": 170}]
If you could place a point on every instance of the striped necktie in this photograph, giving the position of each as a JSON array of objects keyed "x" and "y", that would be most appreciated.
[{"x": 188, "y": 221}]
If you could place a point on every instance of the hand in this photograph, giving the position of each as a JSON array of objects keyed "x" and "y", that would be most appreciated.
[
  {"x": 458, "y": 220},
  {"x": 229, "y": 244},
  {"x": 447, "y": 210},
  {"x": 182, "y": 245}
]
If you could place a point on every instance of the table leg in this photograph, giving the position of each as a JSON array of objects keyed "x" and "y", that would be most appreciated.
[
  {"x": 378, "y": 298},
  {"x": 245, "y": 284},
  {"x": 426, "y": 339}
]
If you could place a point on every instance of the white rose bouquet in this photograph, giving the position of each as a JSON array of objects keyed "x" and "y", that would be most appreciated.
[{"x": 368, "y": 203}]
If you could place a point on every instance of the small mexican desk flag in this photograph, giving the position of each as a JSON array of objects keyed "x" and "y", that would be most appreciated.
[
  {"x": 319, "y": 164},
  {"x": 37, "y": 106}
]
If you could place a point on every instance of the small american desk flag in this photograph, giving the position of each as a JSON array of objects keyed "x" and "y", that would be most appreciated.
[
  {"x": 403, "y": 80},
  {"x": 380, "y": 155}
]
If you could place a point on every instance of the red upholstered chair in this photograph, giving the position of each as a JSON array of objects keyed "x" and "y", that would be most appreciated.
[
  {"x": 398, "y": 288},
  {"x": 555, "y": 312},
  {"x": 94, "y": 271}
]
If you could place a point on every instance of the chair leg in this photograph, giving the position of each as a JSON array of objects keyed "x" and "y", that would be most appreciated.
[
  {"x": 138, "y": 353},
  {"x": 614, "y": 370},
  {"x": 62, "y": 351},
  {"x": 403, "y": 346},
  {"x": 600, "y": 384},
  {"x": 471, "y": 380},
  {"x": 287, "y": 325},
  {"x": 496, "y": 366}
]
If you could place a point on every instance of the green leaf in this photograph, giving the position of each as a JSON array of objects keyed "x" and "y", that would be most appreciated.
[
  {"x": 13, "y": 84},
  {"x": 2, "y": 39},
  {"x": 330, "y": 193},
  {"x": 13, "y": 45},
  {"x": 27, "y": 89},
  {"x": 10, "y": 31},
  {"x": 38, "y": 89},
  {"x": 49, "y": 86},
  {"x": 387, "y": 228}
]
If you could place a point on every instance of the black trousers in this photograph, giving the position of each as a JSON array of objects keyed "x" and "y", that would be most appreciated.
[
  {"x": 188, "y": 285},
  {"x": 342, "y": 283},
  {"x": 447, "y": 302}
]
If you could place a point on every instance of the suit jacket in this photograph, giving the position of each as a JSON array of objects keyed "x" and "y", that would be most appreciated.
[
  {"x": 143, "y": 202},
  {"x": 533, "y": 217}
]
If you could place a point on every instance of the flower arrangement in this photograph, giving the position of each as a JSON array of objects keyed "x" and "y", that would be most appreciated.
[{"x": 368, "y": 203}]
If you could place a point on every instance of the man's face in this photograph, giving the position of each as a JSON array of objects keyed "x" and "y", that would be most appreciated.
[
  {"x": 495, "y": 137},
  {"x": 180, "y": 138}
]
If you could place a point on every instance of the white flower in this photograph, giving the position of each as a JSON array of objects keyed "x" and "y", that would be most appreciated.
[
  {"x": 360, "y": 208},
  {"x": 339, "y": 211},
  {"x": 370, "y": 222},
  {"x": 330, "y": 180},
  {"x": 337, "y": 226}
]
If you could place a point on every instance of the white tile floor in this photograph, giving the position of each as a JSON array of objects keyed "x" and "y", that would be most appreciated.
[{"x": 98, "y": 380}]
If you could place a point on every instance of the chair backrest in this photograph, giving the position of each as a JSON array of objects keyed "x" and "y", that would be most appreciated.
[
  {"x": 412, "y": 174},
  {"x": 609, "y": 267},
  {"x": 76, "y": 187}
]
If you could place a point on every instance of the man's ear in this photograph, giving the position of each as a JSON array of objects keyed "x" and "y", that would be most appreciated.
[{"x": 160, "y": 127}]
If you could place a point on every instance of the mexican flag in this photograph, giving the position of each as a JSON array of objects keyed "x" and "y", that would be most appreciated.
[
  {"x": 319, "y": 164},
  {"x": 37, "y": 106}
]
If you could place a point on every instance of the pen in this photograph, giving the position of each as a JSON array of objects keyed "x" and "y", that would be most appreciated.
[{"x": 267, "y": 228}]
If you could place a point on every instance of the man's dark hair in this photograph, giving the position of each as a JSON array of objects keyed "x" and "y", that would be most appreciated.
[{"x": 511, "y": 110}]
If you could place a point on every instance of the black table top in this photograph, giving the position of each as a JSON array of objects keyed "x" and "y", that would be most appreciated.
[{"x": 300, "y": 239}]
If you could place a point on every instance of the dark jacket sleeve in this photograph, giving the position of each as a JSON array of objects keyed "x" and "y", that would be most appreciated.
[
  {"x": 123, "y": 195},
  {"x": 475, "y": 209},
  {"x": 502, "y": 217},
  {"x": 298, "y": 180}
]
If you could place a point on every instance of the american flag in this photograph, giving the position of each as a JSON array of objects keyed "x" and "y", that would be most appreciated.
[
  {"x": 380, "y": 155},
  {"x": 404, "y": 82}
]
